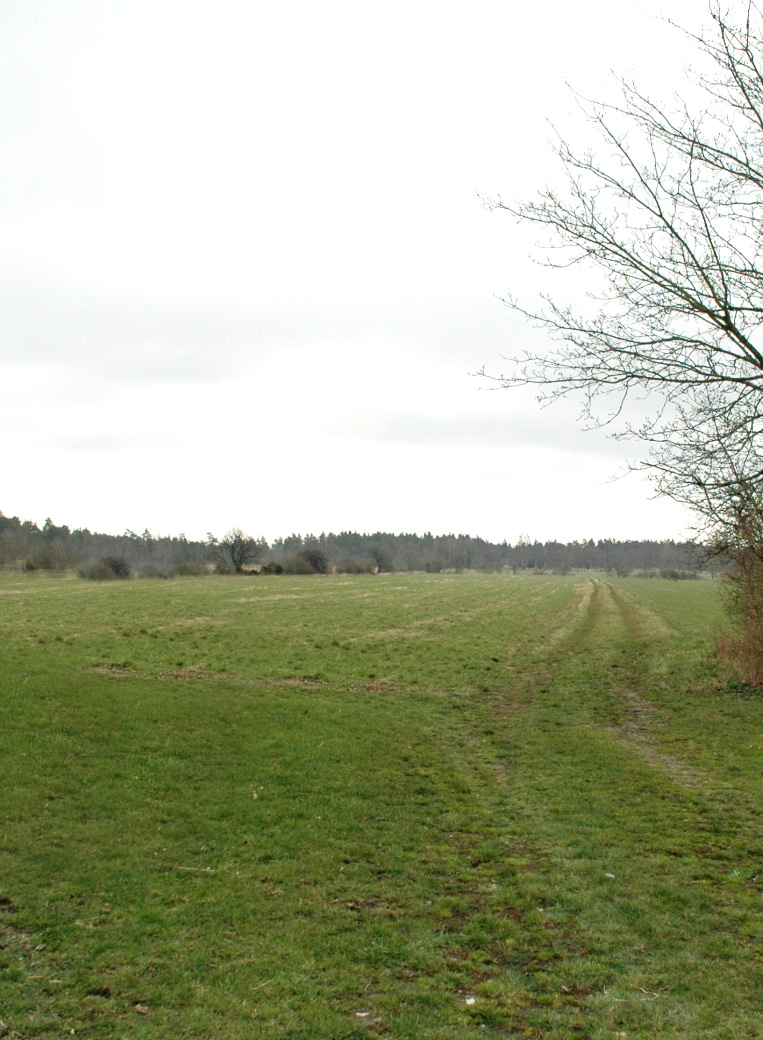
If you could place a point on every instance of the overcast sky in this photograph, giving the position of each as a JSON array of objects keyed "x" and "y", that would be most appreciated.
[{"x": 247, "y": 276}]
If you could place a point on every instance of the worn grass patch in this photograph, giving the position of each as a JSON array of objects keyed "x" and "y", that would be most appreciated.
[{"x": 424, "y": 806}]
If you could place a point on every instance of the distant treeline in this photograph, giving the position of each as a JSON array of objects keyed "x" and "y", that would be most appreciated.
[
  {"x": 24, "y": 545},
  {"x": 449, "y": 552}
]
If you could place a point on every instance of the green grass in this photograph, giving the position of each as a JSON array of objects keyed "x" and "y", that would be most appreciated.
[{"x": 399, "y": 806}]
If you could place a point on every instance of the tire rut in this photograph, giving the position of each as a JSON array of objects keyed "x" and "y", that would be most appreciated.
[{"x": 613, "y": 622}]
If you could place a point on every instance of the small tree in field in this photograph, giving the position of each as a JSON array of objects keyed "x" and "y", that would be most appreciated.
[
  {"x": 237, "y": 549},
  {"x": 668, "y": 216}
]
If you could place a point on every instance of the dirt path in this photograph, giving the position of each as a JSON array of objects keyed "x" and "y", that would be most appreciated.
[{"x": 624, "y": 636}]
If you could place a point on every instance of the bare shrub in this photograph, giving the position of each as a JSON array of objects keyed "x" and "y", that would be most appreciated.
[
  {"x": 677, "y": 574},
  {"x": 118, "y": 565},
  {"x": 191, "y": 568},
  {"x": 271, "y": 568},
  {"x": 156, "y": 570},
  {"x": 107, "y": 569},
  {"x": 742, "y": 551},
  {"x": 743, "y": 645},
  {"x": 312, "y": 560},
  {"x": 351, "y": 566},
  {"x": 297, "y": 563},
  {"x": 742, "y": 649},
  {"x": 96, "y": 570}
]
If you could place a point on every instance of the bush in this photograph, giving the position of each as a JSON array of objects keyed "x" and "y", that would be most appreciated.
[
  {"x": 155, "y": 570},
  {"x": 107, "y": 569},
  {"x": 317, "y": 559},
  {"x": 743, "y": 650},
  {"x": 118, "y": 565},
  {"x": 677, "y": 574},
  {"x": 743, "y": 588},
  {"x": 50, "y": 558},
  {"x": 350, "y": 566},
  {"x": 297, "y": 563},
  {"x": 96, "y": 570},
  {"x": 191, "y": 568},
  {"x": 308, "y": 561},
  {"x": 271, "y": 568}
]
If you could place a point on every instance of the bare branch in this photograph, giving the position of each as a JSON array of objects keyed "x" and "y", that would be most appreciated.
[{"x": 667, "y": 216}]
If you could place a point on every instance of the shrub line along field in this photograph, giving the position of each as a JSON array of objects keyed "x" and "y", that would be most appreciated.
[{"x": 419, "y": 806}]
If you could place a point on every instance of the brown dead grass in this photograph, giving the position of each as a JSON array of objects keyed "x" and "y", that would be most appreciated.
[
  {"x": 745, "y": 651},
  {"x": 189, "y": 673},
  {"x": 119, "y": 671},
  {"x": 301, "y": 682}
]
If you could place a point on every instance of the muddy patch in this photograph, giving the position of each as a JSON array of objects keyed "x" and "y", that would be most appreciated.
[
  {"x": 116, "y": 670},
  {"x": 189, "y": 673}
]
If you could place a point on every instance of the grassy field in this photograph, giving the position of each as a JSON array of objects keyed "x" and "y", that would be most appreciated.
[{"x": 427, "y": 806}]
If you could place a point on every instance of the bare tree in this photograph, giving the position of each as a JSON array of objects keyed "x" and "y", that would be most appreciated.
[
  {"x": 668, "y": 215},
  {"x": 237, "y": 549}
]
